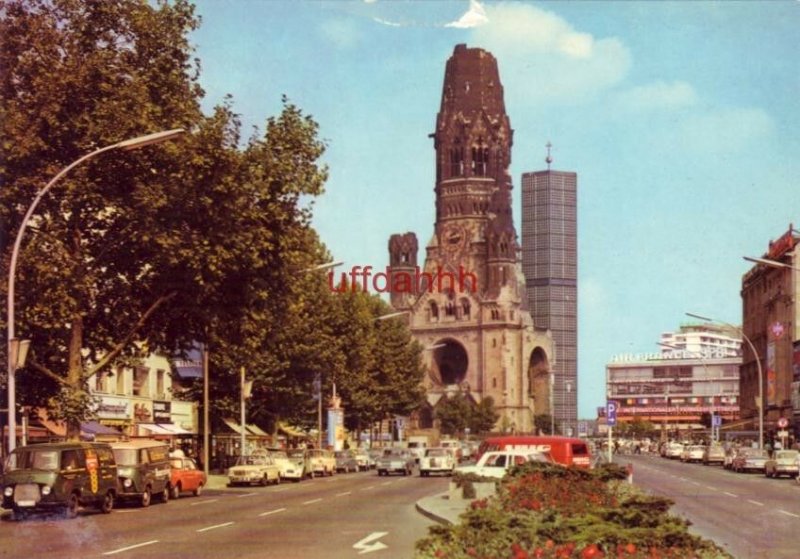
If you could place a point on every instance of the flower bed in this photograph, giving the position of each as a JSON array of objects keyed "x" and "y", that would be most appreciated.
[{"x": 546, "y": 511}]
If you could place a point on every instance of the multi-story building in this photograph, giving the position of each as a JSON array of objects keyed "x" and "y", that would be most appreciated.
[
  {"x": 465, "y": 304},
  {"x": 550, "y": 266},
  {"x": 675, "y": 386},
  {"x": 770, "y": 315}
]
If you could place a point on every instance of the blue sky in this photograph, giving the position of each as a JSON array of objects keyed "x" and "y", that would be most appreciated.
[{"x": 680, "y": 119}]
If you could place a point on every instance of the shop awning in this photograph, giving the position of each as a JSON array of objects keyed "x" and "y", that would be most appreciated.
[
  {"x": 235, "y": 427},
  {"x": 289, "y": 430},
  {"x": 256, "y": 430},
  {"x": 250, "y": 429},
  {"x": 164, "y": 429},
  {"x": 95, "y": 428}
]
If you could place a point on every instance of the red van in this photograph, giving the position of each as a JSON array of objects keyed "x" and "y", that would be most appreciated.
[{"x": 568, "y": 451}]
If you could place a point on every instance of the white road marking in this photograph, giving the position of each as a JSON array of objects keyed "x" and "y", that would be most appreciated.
[
  {"x": 364, "y": 546},
  {"x": 272, "y": 512},
  {"x": 343, "y": 494},
  {"x": 204, "y": 502},
  {"x": 368, "y": 488},
  {"x": 709, "y": 487},
  {"x": 213, "y": 527},
  {"x": 730, "y": 494},
  {"x": 120, "y": 550},
  {"x": 312, "y": 501},
  {"x": 246, "y": 495},
  {"x": 280, "y": 489},
  {"x": 387, "y": 482},
  {"x": 789, "y": 513},
  {"x": 755, "y": 502},
  {"x": 117, "y": 511}
]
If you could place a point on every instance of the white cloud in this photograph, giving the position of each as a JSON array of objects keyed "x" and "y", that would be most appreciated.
[
  {"x": 726, "y": 130},
  {"x": 474, "y": 17},
  {"x": 548, "y": 58},
  {"x": 342, "y": 33},
  {"x": 659, "y": 95}
]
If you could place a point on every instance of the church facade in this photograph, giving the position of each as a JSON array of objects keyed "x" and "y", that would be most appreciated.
[{"x": 466, "y": 301}]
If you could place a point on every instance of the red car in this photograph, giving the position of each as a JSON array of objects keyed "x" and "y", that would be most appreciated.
[{"x": 185, "y": 476}]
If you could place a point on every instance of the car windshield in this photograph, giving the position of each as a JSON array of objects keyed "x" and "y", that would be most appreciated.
[
  {"x": 176, "y": 463},
  {"x": 436, "y": 452},
  {"x": 394, "y": 453},
  {"x": 296, "y": 453},
  {"x": 125, "y": 456},
  {"x": 786, "y": 454},
  {"x": 29, "y": 459},
  {"x": 278, "y": 454},
  {"x": 755, "y": 453}
]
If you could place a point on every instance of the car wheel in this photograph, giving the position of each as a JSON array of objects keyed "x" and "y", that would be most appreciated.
[
  {"x": 175, "y": 491},
  {"x": 264, "y": 480},
  {"x": 311, "y": 475},
  {"x": 19, "y": 515},
  {"x": 108, "y": 503},
  {"x": 144, "y": 500},
  {"x": 278, "y": 480},
  {"x": 71, "y": 510},
  {"x": 197, "y": 492},
  {"x": 163, "y": 497}
]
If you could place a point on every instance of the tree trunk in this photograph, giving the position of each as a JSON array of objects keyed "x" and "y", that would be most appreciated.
[{"x": 75, "y": 374}]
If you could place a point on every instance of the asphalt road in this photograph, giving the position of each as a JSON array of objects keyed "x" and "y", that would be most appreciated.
[
  {"x": 753, "y": 517},
  {"x": 321, "y": 518}
]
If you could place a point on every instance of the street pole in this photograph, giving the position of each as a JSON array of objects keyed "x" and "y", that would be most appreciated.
[
  {"x": 133, "y": 143},
  {"x": 243, "y": 430},
  {"x": 552, "y": 403},
  {"x": 206, "y": 427}
]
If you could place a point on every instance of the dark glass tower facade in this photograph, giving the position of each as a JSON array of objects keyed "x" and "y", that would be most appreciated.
[{"x": 550, "y": 266}]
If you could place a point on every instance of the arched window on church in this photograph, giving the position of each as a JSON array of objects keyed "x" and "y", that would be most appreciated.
[
  {"x": 480, "y": 159},
  {"x": 434, "y": 311},
  {"x": 457, "y": 161},
  {"x": 449, "y": 309}
]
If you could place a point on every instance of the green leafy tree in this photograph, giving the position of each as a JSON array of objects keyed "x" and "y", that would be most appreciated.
[
  {"x": 454, "y": 414},
  {"x": 543, "y": 423},
  {"x": 200, "y": 240},
  {"x": 483, "y": 416}
]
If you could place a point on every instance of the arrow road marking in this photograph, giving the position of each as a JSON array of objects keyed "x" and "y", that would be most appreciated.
[{"x": 365, "y": 547}]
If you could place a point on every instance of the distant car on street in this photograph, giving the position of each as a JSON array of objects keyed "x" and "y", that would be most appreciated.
[
  {"x": 783, "y": 462},
  {"x": 437, "y": 461},
  {"x": 714, "y": 454},
  {"x": 396, "y": 460},
  {"x": 362, "y": 459},
  {"x": 749, "y": 459},
  {"x": 185, "y": 476},
  {"x": 323, "y": 462},
  {"x": 302, "y": 461},
  {"x": 257, "y": 468},
  {"x": 673, "y": 450},
  {"x": 498, "y": 463},
  {"x": 693, "y": 453},
  {"x": 345, "y": 461},
  {"x": 289, "y": 469}
]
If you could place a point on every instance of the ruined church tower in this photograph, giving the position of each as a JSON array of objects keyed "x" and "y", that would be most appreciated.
[{"x": 478, "y": 338}]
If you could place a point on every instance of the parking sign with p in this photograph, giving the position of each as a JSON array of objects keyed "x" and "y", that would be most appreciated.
[{"x": 611, "y": 413}]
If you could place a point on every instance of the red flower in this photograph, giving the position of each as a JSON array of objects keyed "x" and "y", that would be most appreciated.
[{"x": 591, "y": 552}]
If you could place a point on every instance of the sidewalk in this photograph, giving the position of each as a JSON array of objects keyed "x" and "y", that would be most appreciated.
[
  {"x": 440, "y": 508},
  {"x": 217, "y": 481}
]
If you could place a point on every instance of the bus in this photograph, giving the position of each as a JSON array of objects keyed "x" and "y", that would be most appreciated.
[{"x": 568, "y": 451}]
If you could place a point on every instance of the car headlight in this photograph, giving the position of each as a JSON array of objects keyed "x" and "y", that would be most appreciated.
[
  {"x": 8, "y": 491},
  {"x": 126, "y": 483},
  {"x": 46, "y": 490}
]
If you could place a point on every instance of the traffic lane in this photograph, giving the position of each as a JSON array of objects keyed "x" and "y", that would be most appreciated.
[
  {"x": 731, "y": 514},
  {"x": 146, "y": 530},
  {"x": 782, "y": 494},
  {"x": 379, "y": 514},
  {"x": 129, "y": 525}
]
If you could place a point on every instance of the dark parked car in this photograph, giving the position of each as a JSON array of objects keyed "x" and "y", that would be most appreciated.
[
  {"x": 749, "y": 459},
  {"x": 346, "y": 461},
  {"x": 144, "y": 470}
]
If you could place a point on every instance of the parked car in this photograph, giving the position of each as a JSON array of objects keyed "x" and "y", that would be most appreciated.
[
  {"x": 185, "y": 476},
  {"x": 454, "y": 446},
  {"x": 730, "y": 453},
  {"x": 302, "y": 461},
  {"x": 256, "y": 468},
  {"x": 714, "y": 454},
  {"x": 783, "y": 462},
  {"x": 437, "y": 460},
  {"x": 362, "y": 459},
  {"x": 693, "y": 453},
  {"x": 323, "y": 462},
  {"x": 345, "y": 461},
  {"x": 396, "y": 460},
  {"x": 287, "y": 468},
  {"x": 59, "y": 477},
  {"x": 498, "y": 463},
  {"x": 673, "y": 450},
  {"x": 143, "y": 469},
  {"x": 374, "y": 454},
  {"x": 748, "y": 459}
]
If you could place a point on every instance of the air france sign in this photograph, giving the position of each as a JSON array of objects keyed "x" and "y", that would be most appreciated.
[{"x": 611, "y": 413}]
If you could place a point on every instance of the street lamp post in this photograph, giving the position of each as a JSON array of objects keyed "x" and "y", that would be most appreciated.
[
  {"x": 760, "y": 403},
  {"x": 125, "y": 145},
  {"x": 552, "y": 403}
]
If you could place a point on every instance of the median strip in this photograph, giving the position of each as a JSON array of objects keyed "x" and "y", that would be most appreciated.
[
  {"x": 120, "y": 550},
  {"x": 214, "y": 527},
  {"x": 312, "y": 501},
  {"x": 272, "y": 512}
]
